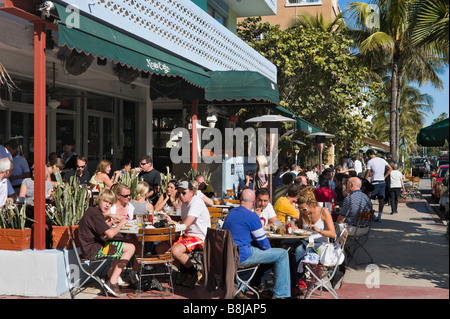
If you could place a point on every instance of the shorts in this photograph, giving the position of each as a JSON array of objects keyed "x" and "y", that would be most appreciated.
[
  {"x": 378, "y": 191},
  {"x": 112, "y": 249},
  {"x": 190, "y": 242}
]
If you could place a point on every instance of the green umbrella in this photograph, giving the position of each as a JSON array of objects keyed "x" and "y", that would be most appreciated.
[{"x": 434, "y": 135}]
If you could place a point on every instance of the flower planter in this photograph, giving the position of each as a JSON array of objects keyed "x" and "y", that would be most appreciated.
[
  {"x": 15, "y": 239},
  {"x": 61, "y": 237}
]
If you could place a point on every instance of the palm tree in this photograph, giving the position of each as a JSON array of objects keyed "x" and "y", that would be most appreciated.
[
  {"x": 308, "y": 21},
  {"x": 383, "y": 36},
  {"x": 413, "y": 110},
  {"x": 429, "y": 21}
]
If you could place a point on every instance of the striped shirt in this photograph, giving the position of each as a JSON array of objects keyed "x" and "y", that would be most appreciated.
[
  {"x": 356, "y": 202},
  {"x": 245, "y": 227}
]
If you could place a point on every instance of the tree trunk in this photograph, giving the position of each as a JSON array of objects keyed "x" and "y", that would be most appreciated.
[
  {"x": 397, "y": 125},
  {"x": 393, "y": 112}
]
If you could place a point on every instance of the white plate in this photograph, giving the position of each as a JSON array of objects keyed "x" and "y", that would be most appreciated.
[{"x": 302, "y": 232}]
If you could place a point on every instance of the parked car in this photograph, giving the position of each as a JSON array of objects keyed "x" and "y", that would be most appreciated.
[
  {"x": 436, "y": 180},
  {"x": 418, "y": 167},
  {"x": 443, "y": 194}
]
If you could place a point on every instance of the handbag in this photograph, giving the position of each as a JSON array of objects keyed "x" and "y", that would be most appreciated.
[{"x": 330, "y": 254}]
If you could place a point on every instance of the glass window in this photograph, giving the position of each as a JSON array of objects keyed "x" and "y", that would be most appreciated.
[
  {"x": 22, "y": 129},
  {"x": 100, "y": 103},
  {"x": 3, "y": 127},
  {"x": 217, "y": 14},
  {"x": 163, "y": 124}
]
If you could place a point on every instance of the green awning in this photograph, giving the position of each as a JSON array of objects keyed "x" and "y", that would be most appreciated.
[
  {"x": 241, "y": 85},
  {"x": 300, "y": 123},
  {"x": 434, "y": 135},
  {"x": 96, "y": 39}
]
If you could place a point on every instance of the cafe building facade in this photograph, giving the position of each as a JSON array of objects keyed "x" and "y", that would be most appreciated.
[{"x": 116, "y": 76}]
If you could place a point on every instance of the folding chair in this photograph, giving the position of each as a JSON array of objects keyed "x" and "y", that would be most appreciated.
[
  {"x": 359, "y": 233},
  {"x": 151, "y": 236},
  {"x": 322, "y": 275},
  {"x": 88, "y": 267},
  {"x": 245, "y": 282}
]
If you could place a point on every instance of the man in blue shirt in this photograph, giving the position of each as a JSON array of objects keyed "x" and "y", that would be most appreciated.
[
  {"x": 245, "y": 227},
  {"x": 356, "y": 202}
]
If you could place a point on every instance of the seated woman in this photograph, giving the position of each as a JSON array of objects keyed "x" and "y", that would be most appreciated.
[
  {"x": 99, "y": 240},
  {"x": 141, "y": 204},
  {"x": 315, "y": 218},
  {"x": 57, "y": 163},
  {"x": 27, "y": 187},
  {"x": 101, "y": 179},
  {"x": 169, "y": 200},
  {"x": 324, "y": 193}
]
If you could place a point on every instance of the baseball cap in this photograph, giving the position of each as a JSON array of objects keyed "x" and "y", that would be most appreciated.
[{"x": 185, "y": 185}]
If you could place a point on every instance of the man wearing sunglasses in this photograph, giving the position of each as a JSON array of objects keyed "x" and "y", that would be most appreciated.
[
  {"x": 151, "y": 176},
  {"x": 81, "y": 172},
  {"x": 195, "y": 215}
]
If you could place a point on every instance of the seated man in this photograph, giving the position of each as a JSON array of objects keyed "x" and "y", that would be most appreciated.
[
  {"x": 99, "y": 240},
  {"x": 245, "y": 227},
  {"x": 356, "y": 202},
  {"x": 203, "y": 187},
  {"x": 195, "y": 216},
  {"x": 264, "y": 208},
  {"x": 285, "y": 205},
  {"x": 81, "y": 171}
]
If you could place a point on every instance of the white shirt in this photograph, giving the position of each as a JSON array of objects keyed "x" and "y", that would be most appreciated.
[
  {"x": 377, "y": 167},
  {"x": 267, "y": 214},
  {"x": 3, "y": 191},
  {"x": 130, "y": 210},
  {"x": 396, "y": 179},
  {"x": 358, "y": 167},
  {"x": 196, "y": 208}
]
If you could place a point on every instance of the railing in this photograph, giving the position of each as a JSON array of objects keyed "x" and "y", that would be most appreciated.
[
  {"x": 302, "y": 2},
  {"x": 181, "y": 27}
]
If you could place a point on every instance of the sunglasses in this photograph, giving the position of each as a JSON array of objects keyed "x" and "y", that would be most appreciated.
[
  {"x": 125, "y": 196},
  {"x": 183, "y": 193},
  {"x": 142, "y": 164},
  {"x": 81, "y": 166}
]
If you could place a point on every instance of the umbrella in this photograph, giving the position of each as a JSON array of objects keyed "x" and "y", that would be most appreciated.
[{"x": 434, "y": 135}]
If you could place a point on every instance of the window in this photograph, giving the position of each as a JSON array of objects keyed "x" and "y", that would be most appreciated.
[{"x": 217, "y": 13}]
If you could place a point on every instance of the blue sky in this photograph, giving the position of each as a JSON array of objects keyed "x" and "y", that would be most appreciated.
[{"x": 440, "y": 97}]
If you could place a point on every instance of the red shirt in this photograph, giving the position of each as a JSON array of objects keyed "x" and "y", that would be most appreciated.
[{"x": 325, "y": 194}]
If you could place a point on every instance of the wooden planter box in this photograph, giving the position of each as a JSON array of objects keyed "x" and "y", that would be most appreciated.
[
  {"x": 15, "y": 239},
  {"x": 61, "y": 237}
]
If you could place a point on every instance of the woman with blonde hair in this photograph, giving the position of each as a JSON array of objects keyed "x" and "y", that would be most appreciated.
[
  {"x": 316, "y": 219},
  {"x": 101, "y": 178},
  {"x": 141, "y": 204}
]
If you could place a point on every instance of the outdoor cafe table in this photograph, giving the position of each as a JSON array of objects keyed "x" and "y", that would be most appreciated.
[
  {"x": 134, "y": 228},
  {"x": 284, "y": 240}
]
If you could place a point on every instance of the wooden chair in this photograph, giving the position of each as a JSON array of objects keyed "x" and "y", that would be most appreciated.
[
  {"x": 232, "y": 201},
  {"x": 230, "y": 192},
  {"x": 216, "y": 215},
  {"x": 151, "y": 236}
]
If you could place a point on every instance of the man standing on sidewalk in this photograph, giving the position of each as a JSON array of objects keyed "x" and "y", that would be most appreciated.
[{"x": 378, "y": 169}]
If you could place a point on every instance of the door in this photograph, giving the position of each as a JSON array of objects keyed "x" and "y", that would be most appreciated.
[{"x": 101, "y": 140}]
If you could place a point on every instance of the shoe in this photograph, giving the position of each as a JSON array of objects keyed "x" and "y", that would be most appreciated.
[
  {"x": 191, "y": 280},
  {"x": 114, "y": 289},
  {"x": 300, "y": 288},
  {"x": 241, "y": 296}
]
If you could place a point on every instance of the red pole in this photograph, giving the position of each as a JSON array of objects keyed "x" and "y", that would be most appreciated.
[
  {"x": 194, "y": 134},
  {"x": 39, "y": 135}
]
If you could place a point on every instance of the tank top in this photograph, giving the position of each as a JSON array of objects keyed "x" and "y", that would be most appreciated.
[
  {"x": 139, "y": 208},
  {"x": 320, "y": 225}
]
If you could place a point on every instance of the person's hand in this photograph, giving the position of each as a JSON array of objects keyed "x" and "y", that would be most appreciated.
[
  {"x": 169, "y": 219},
  {"x": 258, "y": 211}
]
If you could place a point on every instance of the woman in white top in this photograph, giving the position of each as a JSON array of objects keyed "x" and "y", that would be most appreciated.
[
  {"x": 396, "y": 186},
  {"x": 315, "y": 218}
]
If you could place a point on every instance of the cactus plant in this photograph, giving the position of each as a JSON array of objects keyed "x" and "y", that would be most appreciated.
[
  {"x": 193, "y": 173},
  {"x": 11, "y": 217},
  {"x": 165, "y": 179},
  {"x": 131, "y": 180},
  {"x": 69, "y": 202}
]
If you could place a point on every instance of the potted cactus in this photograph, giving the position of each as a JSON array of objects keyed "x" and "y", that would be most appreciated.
[
  {"x": 13, "y": 233},
  {"x": 69, "y": 202},
  {"x": 131, "y": 180}
]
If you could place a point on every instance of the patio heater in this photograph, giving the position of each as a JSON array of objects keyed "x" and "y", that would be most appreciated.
[
  {"x": 268, "y": 122},
  {"x": 297, "y": 151},
  {"x": 320, "y": 139}
]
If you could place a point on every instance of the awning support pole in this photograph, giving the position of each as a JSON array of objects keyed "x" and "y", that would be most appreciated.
[
  {"x": 195, "y": 146},
  {"x": 39, "y": 135}
]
